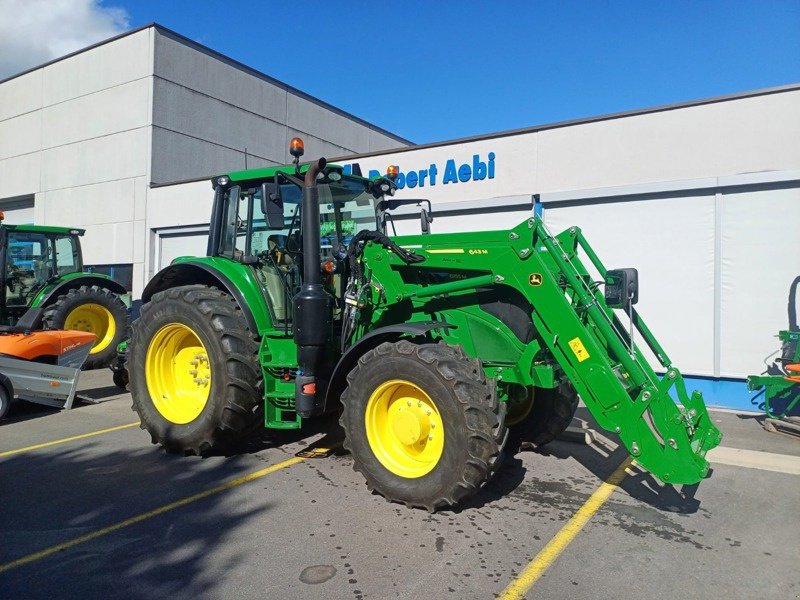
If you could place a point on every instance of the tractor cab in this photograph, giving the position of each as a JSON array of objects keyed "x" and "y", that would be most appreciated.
[
  {"x": 258, "y": 221},
  {"x": 32, "y": 258}
]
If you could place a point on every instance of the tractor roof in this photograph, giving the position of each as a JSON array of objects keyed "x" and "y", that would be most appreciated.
[
  {"x": 45, "y": 229},
  {"x": 267, "y": 172}
]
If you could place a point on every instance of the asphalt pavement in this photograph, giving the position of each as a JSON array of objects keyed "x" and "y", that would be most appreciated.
[{"x": 103, "y": 513}]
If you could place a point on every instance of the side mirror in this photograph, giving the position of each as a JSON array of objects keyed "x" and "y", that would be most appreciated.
[
  {"x": 622, "y": 288},
  {"x": 425, "y": 220},
  {"x": 272, "y": 205}
]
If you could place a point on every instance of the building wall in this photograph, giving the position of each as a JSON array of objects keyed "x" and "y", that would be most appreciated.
[
  {"x": 82, "y": 138},
  {"x": 74, "y": 136},
  {"x": 703, "y": 200},
  {"x": 208, "y": 111}
]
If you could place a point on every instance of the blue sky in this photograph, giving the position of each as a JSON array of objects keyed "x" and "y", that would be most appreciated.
[{"x": 431, "y": 71}]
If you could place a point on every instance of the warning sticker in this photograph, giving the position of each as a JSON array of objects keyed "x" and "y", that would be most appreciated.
[{"x": 579, "y": 349}]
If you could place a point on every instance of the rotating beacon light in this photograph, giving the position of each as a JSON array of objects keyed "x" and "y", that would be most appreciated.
[{"x": 296, "y": 149}]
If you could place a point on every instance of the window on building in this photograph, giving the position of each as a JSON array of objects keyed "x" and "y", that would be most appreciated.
[{"x": 122, "y": 274}]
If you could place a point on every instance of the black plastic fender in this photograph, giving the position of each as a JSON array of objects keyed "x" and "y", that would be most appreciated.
[{"x": 338, "y": 380}]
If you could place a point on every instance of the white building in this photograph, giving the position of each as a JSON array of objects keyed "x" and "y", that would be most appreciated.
[
  {"x": 702, "y": 197},
  {"x": 83, "y": 138}
]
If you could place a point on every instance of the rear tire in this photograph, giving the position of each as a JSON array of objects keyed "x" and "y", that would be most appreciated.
[
  {"x": 5, "y": 401},
  {"x": 423, "y": 423},
  {"x": 97, "y": 310},
  {"x": 551, "y": 414},
  {"x": 194, "y": 372}
]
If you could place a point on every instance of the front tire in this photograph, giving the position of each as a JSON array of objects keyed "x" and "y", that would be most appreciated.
[
  {"x": 193, "y": 368},
  {"x": 550, "y": 415},
  {"x": 94, "y": 309},
  {"x": 423, "y": 423}
]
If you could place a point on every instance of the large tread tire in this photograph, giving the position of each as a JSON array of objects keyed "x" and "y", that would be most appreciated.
[
  {"x": 552, "y": 412},
  {"x": 471, "y": 414},
  {"x": 56, "y": 314},
  {"x": 231, "y": 412}
]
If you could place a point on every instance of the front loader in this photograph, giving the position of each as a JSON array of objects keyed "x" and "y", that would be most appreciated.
[{"x": 430, "y": 345}]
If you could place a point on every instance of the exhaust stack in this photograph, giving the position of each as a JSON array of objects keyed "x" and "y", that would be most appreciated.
[{"x": 312, "y": 305}]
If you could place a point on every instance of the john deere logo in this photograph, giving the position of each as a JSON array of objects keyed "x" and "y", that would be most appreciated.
[{"x": 535, "y": 279}]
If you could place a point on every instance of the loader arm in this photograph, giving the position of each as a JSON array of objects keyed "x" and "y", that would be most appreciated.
[{"x": 575, "y": 330}]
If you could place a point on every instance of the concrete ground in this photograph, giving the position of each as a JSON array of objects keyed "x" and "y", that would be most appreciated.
[{"x": 82, "y": 515}]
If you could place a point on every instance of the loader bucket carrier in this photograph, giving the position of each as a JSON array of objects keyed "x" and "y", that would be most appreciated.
[
  {"x": 436, "y": 347},
  {"x": 579, "y": 329},
  {"x": 616, "y": 383}
]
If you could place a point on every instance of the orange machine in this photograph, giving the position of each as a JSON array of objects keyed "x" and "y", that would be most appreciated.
[{"x": 41, "y": 366}]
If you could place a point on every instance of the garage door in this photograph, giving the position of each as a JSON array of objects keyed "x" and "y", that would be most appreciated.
[
  {"x": 18, "y": 211},
  {"x": 184, "y": 244}
]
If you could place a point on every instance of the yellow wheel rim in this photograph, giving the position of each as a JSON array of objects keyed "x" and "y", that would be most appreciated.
[
  {"x": 404, "y": 428},
  {"x": 96, "y": 319},
  {"x": 178, "y": 373}
]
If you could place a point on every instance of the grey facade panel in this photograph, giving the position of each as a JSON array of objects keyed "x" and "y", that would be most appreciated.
[
  {"x": 201, "y": 72},
  {"x": 177, "y": 156},
  {"x": 314, "y": 120},
  {"x": 197, "y": 115}
]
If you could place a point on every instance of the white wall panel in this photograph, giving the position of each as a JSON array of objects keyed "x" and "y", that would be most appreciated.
[
  {"x": 21, "y": 95},
  {"x": 126, "y": 59},
  {"x": 105, "y": 112},
  {"x": 107, "y": 202},
  {"x": 179, "y": 205},
  {"x": 21, "y": 134},
  {"x": 20, "y": 175},
  {"x": 671, "y": 243},
  {"x": 746, "y": 135},
  {"x": 107, "y": 158},
  {"x": 760, "y": 258},
  {"x": 109, "y": 243}
]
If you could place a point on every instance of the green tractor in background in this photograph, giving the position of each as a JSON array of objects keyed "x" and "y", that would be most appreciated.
[
  {"x": 430, "y": 345},
  {"x": 44, "y": 286}
]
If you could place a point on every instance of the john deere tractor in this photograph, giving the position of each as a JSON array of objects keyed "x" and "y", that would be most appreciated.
[
  {"x": 44, "y": 286},
  {"x": 431, "y": 346}
]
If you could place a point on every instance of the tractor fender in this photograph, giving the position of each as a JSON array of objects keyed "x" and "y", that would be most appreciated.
[
  {"x": 191, "y": 272},
  {"x": 373, "y": 339},
  {"x": 60, "y": 287}
]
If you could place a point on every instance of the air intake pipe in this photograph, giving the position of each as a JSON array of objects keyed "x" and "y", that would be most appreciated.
[{"x": 312, "y": 305}]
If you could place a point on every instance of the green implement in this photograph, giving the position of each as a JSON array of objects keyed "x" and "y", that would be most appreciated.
[{"x": 781, "y": 384}]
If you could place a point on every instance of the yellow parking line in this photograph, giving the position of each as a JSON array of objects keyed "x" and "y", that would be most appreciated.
[
  {"x": 542, "y": 561},
  {"x": 65, "y": 440},
  {"x": 153, "y": 513}
]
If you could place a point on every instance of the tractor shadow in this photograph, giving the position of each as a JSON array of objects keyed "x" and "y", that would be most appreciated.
[
  {"x": 602, "y": 457},
  {"x": 330, "y": 444},
  {"x": 83, "y": 489}
]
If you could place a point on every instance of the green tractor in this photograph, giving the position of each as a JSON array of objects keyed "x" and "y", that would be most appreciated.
[
  {"x": 430, "y": 345},
  {"x": 44, "y": 287}
]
